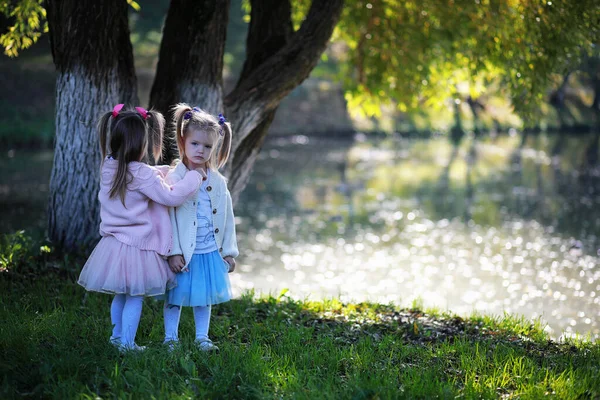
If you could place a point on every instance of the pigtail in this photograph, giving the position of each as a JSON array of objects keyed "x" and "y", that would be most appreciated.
[
  {"x": 156, "y": 126},
  {"x": 179, "y": 116},
  {"x": 119, "y": 183},
  {"x": 225, "y": 148},
  {"x": 103, "y": 124}
]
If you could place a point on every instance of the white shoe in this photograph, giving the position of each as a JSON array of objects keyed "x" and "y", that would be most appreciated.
[
  {"x": 123, "y": 348},
  {"x": 172, "y": 345},
  {"x": 115, "y": 341},
  {"x": 206, "y": 345}
]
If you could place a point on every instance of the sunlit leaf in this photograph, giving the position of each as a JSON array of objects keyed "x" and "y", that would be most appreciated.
[
  {"x": 29, "y": 21},
  {"x": 430, "y": 48},
  {"x": 134, "y": 5},
  {"x": 282, "y": 293}
]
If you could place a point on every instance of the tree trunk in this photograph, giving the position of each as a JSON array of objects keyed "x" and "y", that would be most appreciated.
[
  {"x": 270, "y": 29},
  {"x": 94, "y": 62},
  {"x": 190, "y": 64},
  {"x": 266, "y": 82},
  {"x": 596, "y": 86},
  {"x": 557, "y": 100},
  {"x": 596, "y": 103}
]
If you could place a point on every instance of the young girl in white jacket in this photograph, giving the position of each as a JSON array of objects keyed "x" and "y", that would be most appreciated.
[{"x": 204, "y": 242}]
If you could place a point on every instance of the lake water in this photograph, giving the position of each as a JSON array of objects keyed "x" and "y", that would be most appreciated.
[{"x": 488, "y": 227}]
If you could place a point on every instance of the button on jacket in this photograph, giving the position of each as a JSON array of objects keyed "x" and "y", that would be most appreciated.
[{"x": 183, "y": 218}]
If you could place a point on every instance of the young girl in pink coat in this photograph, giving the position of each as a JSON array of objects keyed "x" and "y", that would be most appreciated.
[{"x": 130, "y": 259}]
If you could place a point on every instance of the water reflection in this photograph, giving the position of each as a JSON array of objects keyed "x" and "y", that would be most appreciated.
[{"x": 488, "y": 225}]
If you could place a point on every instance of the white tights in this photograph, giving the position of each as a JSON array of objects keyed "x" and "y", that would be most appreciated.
[
  {"x": 125, "y": 313},
  {"x": 172, "y": 315}
]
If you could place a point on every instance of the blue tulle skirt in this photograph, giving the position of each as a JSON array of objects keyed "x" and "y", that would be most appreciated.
[{"x": 206, "y": 282}]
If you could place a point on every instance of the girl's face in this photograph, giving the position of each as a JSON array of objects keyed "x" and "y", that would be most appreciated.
[{"x": 198, "y": 148}]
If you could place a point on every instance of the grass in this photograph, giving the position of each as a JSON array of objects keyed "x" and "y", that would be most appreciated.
[{"x": 54, "y": 344}]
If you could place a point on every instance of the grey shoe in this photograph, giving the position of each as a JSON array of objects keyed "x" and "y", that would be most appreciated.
[
  {"x": 115, "y": 341},
  {"x": 206, "y": 345},
  {"x": 172, "y": 345},
  {"x": 123, "y": 348}
]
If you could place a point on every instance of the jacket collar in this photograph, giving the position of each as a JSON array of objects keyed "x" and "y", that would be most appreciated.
[{"x": 181, "y": 169}]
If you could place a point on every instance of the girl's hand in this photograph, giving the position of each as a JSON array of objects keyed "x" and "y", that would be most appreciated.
[
  {"x": 176, "y": 263},
  {"x": 231, "y": 261},
  {"x": 202, "y": 173}
]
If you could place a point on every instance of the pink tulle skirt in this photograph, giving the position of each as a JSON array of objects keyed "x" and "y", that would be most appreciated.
[{"x": 114, "y": 267}]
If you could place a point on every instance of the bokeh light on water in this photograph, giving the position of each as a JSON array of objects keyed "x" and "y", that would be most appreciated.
[{"x": 486, "y": 227}]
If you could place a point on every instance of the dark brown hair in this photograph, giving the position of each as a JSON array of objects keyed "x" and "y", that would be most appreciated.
[
  {"x": 202, "y": 121},
  {"x": 129, "y": 137}
]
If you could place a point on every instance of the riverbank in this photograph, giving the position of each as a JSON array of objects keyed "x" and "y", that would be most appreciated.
[{"x": 54, "y": 345}]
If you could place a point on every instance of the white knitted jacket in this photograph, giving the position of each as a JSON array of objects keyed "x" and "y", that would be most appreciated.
[{"x": 183, "y": 218}]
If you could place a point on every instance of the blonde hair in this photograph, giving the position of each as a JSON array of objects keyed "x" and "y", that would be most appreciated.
[
  {"x": 129, "y": 136},
  {"x": 187, "y": 118}
]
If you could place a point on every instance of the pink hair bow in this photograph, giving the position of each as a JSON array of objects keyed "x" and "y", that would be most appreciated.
[
  {"x": 116, "y": 110},
  {"x": 143, "y": 112}
]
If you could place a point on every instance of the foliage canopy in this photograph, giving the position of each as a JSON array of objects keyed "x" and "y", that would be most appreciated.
[
  {"x": 414, "y": 54},
  {"x": 29, "y": 17},
  {"x": 421, "y": 53}
]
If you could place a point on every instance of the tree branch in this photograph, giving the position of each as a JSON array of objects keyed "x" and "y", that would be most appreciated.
[
  {"x": 270, "y": 29},
  {"x": 262, "y": 89}
]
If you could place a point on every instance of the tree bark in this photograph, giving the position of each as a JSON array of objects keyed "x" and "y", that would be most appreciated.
[
  {"x": 264, "y": 85},
  {"x": 596, "y": 103},
  {"x": 264, "y": 88},
  {"x": 190, "y": 64},
  {"x": 557, "y": 100},
  {"x": 270, "y": 29},
  {"x": 596, "y": 86},
  {"x": 94, "y": 62}
]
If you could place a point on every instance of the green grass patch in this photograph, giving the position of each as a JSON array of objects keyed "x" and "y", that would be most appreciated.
[{"x": 54, "y": 344}]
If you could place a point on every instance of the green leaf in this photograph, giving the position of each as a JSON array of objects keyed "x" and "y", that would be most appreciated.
[
  {"x": 134, "y": 5},
  {"x": 282, "y": 294},
  {"x": 29, "y": 18}
]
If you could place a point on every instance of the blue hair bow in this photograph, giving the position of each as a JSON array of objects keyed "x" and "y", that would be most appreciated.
[
  {"x": 222, "y": 121},
  {"x": 188, "y": 114}
]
